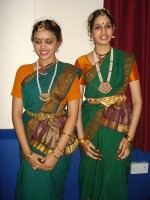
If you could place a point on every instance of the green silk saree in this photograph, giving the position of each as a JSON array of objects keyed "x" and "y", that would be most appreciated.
[
  {"x": 43, "y": 124},
  {"x": 106, "y": 179}
]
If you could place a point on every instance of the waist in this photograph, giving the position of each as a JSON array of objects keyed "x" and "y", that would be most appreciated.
[
  {"x": 42, "y": 116},
  {"x": 108, "y": 101}
]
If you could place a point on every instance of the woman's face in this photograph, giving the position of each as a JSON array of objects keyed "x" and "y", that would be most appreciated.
[
  {"x": 45, "y": 44},
  {"x": 102, "y": 30}
]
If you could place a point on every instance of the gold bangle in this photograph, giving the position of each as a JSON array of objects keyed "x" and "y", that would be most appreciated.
[
  {"x": 29, "y": 155},
  {"x": 60, "y": 149},
  {"x": 55, "y": 156},
  {"x": 128, "y": 138},
  {"x": 82, "y": 140}
]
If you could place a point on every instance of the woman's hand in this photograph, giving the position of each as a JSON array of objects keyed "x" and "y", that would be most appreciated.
[
  {"x": 48, "y": 162},
  {"x": 124, "y": 149},
  {"x": 91, "y": 150},
  {"x": 34, "y": 161}
]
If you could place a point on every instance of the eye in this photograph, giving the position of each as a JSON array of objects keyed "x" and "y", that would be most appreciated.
[
  {"x": 37, "y": 41},
  {"x": 98, "y": 27},
  {"x": 108, "y": 26},
  {"x": 48, "y": 41}
]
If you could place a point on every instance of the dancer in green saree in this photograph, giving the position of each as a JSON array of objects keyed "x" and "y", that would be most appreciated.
[
  {"x": 107, "y": 121},
  {"x": 45, "y": 130}
]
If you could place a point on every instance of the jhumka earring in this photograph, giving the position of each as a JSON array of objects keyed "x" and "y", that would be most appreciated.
[
  {"x": 113, "y": 37},
  {"x": 91, "y": 37}
]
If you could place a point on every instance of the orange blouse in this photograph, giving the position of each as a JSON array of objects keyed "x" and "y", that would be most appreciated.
[
  {"x": 84, "y": 64},
  {"x": 25, "y": 70}
]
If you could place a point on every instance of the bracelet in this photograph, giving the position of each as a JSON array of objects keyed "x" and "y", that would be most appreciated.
[
  {"x": 67, "y": 134},
  {"x": 82, "y": 140},
  {"x": 55, "y": 156},
  {"x": 60, "y": 149},
  {"x": 128, "y": 138},
  {"x": 29, "y": 155},
  {"x": 135, "y": 115}
]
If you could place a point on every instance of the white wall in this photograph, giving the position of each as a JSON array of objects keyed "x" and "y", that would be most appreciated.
[{"x": 16, "y": 20}]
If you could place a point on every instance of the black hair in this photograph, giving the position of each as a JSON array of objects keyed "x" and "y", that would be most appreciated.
[{"x": 49, "y": 25}]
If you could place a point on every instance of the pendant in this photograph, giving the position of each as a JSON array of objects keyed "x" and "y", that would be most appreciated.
[
  {"x": 43, "y": 71},
  {"x": 44, "y": 96},
  {"x": 105, "y": 87}
]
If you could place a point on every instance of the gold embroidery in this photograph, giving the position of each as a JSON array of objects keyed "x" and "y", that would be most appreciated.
[{"x": 107, "y": 101}]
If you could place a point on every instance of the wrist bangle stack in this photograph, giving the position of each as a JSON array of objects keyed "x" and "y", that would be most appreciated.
[
  {"x": 128, "y": 138},
  {"x": 29, "y": 155},
  {"x": 82, "y": 140}
]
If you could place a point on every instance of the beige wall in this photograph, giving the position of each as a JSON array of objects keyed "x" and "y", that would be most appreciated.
[{"x": 16, "y": 20}]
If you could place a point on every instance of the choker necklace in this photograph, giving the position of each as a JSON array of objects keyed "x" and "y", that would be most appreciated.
[
  {"x": 104, "y": 87},
  {"x": 101, "y": 55},
  {"x": 45, "y": 96}
]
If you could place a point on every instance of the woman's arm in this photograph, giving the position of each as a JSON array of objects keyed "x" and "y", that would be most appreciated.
[
  {"x": 137, "y": 105},
  {"x": 79, "y": 126},
  {"x": 88, "y": 147},
  {"x": 17, "y": 109}
]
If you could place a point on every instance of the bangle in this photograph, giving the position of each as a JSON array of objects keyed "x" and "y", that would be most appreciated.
[
  {"x": 60, "y": 149},
  {"x": 29, "y": 155},
  {"x": 135, "y": 115},
  {"x": 82, "y": 140},
  {"x": 67, "y": 134},
  {"x": 55, "y": 156},
  {"x": 128, "y": 138}
]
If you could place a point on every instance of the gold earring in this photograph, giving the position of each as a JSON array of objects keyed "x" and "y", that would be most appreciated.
[{"x": 91, "y": 37}]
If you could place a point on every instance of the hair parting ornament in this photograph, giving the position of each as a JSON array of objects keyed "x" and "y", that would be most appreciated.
[
  {"x": 41, "y": 26},
  {"x": 40, "y": 23},
  {"x": 102, "y": 12}
]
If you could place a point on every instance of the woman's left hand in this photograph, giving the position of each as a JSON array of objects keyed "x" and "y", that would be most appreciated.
[
  {"x": 124, "y": 149},
  {"x": 48, "y": 162}
]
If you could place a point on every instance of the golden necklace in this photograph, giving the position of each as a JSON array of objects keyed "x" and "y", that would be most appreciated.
[{"x": 104, "y": 87}]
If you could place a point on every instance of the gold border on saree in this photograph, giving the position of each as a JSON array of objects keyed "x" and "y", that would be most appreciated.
[
  {"x": 42, "y": 116},
  {"x": 42, "y": 148},
  {"x": 107, "y": 101}
]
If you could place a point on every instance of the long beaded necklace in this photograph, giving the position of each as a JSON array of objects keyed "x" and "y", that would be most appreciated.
[
  {"x": 104, "y": 87},
  {"x": 45, "y": 96}
]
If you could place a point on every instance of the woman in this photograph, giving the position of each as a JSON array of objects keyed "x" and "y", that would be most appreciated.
[
  {"x": 107, "y": 123},
  {"x": 45, "y": 129}
]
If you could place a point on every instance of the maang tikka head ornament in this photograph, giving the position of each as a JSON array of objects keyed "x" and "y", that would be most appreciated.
[{"x": 41, "y": 27}]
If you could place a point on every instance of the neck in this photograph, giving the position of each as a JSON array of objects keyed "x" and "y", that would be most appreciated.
[
  {"x": 43, "y": 63},
  {"x": 102, "y": 50}
]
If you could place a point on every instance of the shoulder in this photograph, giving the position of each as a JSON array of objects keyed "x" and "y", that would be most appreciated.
[
  {"x": 69, "y": 68},
  {"x": 124, "y": 54},
  {"x": 25, "y": 68},
  {"x": 64, "y": 65},
  {"x": 81, "y": 59}
]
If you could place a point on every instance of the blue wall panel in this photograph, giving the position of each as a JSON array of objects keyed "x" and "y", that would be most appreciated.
[{"x": 138, "y": 187}]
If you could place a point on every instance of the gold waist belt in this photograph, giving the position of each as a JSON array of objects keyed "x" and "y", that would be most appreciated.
[
  {"x": 107, "y": 101},
  {"x": 42, "y": 116}
]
